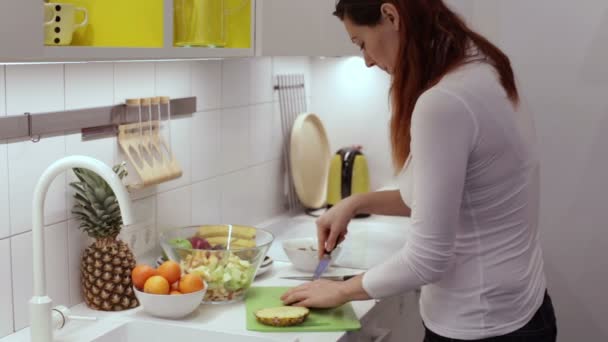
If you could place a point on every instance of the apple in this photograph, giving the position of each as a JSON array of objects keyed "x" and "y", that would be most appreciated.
[
  {"x": 181, "y": 243},
  {"x": 199, "y": 243},
  {"x": 178, "y": 243}
]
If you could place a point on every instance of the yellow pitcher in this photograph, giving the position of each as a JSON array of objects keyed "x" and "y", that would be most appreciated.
[{"x": 212, "y": 23}]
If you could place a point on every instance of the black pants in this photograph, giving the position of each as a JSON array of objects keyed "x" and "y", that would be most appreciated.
[{"x": 541, "y": 328}]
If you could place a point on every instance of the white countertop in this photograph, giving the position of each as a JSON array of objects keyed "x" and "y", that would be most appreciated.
[
  {"x": 225, "y": 318},
  {"x": 231, "y": 317}
]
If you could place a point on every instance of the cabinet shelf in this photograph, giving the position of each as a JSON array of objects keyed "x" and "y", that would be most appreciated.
[
  {"x": 79, "y": 53},
  {"x": 28, "y": 45}
]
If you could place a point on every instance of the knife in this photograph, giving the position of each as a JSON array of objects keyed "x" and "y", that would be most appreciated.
[
  {"x": 322, "y": 266},
  {"x": 334, "y": 278}
]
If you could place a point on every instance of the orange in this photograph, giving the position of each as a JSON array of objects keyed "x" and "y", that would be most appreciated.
[
  {"x": 156, "y": 285},
  {"x": 140, "y": 274},
  {"x": 174, "y": 292},
  {"x": 170, "y": 270},
  {"x": 191, "y": 283},
  {"x": 175, "y": 286}
]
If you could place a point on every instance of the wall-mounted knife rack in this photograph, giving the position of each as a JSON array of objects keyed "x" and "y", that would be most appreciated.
[{"x": 98, "y": 121}]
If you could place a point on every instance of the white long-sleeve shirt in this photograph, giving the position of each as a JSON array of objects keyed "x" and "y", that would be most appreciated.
[{"x": 472, "y": 184}]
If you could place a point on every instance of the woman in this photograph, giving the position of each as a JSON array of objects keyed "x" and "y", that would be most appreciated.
[{"x": 468, "y": 177}]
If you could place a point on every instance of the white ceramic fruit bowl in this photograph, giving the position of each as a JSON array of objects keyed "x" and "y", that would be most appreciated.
[
  {"x": 170, "y": 306},
  {"x": 303, "y": 253}
]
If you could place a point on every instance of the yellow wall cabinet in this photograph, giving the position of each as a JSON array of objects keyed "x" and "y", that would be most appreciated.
[{"x": 90, "y": 30}]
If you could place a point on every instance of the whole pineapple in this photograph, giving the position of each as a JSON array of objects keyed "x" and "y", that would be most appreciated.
[{"x": 106, "y": 265}]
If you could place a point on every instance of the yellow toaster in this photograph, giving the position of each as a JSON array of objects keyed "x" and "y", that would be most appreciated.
[{"x": 348, "y": 175}]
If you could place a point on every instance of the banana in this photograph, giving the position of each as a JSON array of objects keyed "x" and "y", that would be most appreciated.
[
  {"x": 239, "y": 232},
  {"x": 223, "y": 240}
]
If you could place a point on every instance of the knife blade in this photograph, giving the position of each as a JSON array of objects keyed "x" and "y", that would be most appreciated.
[
  {"x": 322, "y": 266},
  {"x": 334, "y": 278}
]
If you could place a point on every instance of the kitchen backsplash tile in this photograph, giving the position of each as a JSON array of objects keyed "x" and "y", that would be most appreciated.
[
  {"x": 173, "y": 79},
  {"x": 207, "y": 84},
  {"x": 234, "y": 141},
  {"x": 89, "y": 85},
  {"x": 261, "y": 80},
  {"x": 206, "y": 202},
  {"x": 229, "y": 151},
  {"x": 34, "y": 88},
  {"x": 133, "y": 80},
  {"x": 268, "y": 188},
  {"x": 56, "y": 258},
  {"x": 6, "y": 288},
  {"x": 261, "y": 127},
  {"x": 174, "y": 208},
  {"x": 206, "y": 155},
  {"x": 236, "y": 75},
  {"x": 239, "y": 197},
  {"x": 26, "y": 162},
  {"x": 5, "y": 230}
]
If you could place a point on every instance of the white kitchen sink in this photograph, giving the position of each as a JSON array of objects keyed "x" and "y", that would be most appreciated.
[{"x": 144, "y": 331}]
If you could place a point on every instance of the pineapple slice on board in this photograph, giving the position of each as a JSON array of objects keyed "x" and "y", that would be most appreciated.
[{"x": 282, "y": 316}]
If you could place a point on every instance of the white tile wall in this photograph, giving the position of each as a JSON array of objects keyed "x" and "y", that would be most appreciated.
[
  {"x": 6, "y": 288},
  {"x": 26, "y": 163},
  {"x": 262, "y": 129},
  {"x": 133, "y": 80},
  {"x": 261, "y": 80},
  {"x": 234, "y": 145},
  {"x": 229, "y": 151},
  {"x": 206, "y": 161},
  {"x": 236, "y": 75},
  {"x": 89, "y": 85},
  {"x": 34, "y": 88},
  {"x": 239, "y": 198},
  {"x": 56, "y": 257},
  {"x": 206, "y": 202},
  {"x": 4, "y": 194},
  {"x": 207, "y": 84},
  {"x": 173, "y": 79},
  {"x": 174, "y": 208}
]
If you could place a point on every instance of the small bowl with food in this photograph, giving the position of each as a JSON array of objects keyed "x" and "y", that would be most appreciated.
[
  {"x": 226, "y": 257},
  {"x": 166, "y": 292},
  {"x": 304, "y": 253}
]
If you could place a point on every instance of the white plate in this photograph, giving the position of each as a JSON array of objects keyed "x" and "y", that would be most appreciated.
[
  {"x": 265, "y": 266},
  {"x": 309, "y": 157}
]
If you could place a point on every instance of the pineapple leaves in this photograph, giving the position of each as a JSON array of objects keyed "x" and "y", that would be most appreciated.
[{"x": 95, "y": 205}]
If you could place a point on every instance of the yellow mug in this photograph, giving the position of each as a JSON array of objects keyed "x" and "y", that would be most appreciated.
[{"x": 60, "y": 23}]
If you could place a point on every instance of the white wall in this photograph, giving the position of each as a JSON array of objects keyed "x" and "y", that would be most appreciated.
[
  {"x": 229, "y": 150},
  {"x": 353, "y": 103},
  {"x": 559, "y": 50}
]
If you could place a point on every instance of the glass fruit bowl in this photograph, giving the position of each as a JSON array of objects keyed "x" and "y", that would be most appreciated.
[{"x": 227, "y": 257}]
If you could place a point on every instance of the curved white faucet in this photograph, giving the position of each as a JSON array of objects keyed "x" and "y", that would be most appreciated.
[{"x": 41, "y": 304}]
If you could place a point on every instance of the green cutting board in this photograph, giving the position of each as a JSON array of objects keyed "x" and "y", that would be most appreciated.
[{"x": 342, "y": 318}]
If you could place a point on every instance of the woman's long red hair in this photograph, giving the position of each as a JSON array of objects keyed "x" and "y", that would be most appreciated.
[{"x": 434, "y": 41}]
